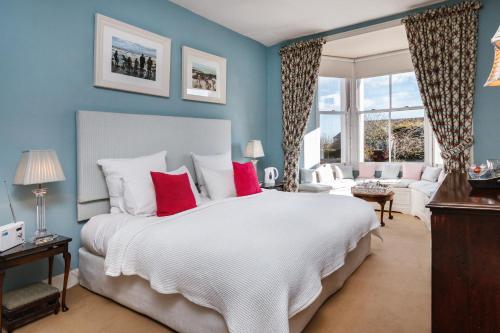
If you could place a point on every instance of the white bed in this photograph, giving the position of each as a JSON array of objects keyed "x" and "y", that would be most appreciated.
[
  {"x": 180, "y": 314},
  {"x": 311, "y": 243},
  {"x": 330, "y": 264}
]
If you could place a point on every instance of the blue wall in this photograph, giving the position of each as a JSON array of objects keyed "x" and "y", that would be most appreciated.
[
  {"x": 487, "y": 99},
  {"x": 46, "y": 71}
]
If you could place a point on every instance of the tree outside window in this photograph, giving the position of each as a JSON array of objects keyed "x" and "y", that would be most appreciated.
[{"x": 391, "y": 119}]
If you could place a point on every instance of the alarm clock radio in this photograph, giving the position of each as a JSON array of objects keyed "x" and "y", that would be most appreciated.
[{"x": 11, "y": 235}]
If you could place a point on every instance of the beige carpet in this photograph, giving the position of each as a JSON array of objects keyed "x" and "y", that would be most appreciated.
[{"x": 390, "y": 292}]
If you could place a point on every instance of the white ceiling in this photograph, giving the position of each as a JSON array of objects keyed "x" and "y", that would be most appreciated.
[
  {"x": 273, "y": 21},
  {"x": 369, "y": 43}
]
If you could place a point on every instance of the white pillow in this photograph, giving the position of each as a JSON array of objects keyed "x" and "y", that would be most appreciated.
[
  {"x": 115, "y": 191},
  {"x": 325, "y": 174},
  {"x": 214, "y": 162},
  {"x": 344, "y": 172},
  {"x": 390, "y": 171},
  {"x": 181, "y": 171},
  {"x": 431, "y": 174},
  {"x": 307, "y": 176},
  {"x": 135, "y": 171},
  {"x": 219, "y": 183}
]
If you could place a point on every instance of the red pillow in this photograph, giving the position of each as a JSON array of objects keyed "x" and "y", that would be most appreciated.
[
  {"x": 173, "y": 193},
  {"x": 245, "y": 179}
]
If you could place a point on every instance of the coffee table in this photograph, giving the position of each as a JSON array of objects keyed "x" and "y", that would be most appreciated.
[{"x": 381, "y": 198}]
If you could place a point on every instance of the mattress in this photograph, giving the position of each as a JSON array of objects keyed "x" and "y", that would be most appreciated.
[{"x": 178, "y": 313}]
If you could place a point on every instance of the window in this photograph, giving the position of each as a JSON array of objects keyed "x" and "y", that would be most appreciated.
[
  {"x": 375, "y": 129},
  {"x": 391, "y": 119},
  {"x": 408, "y": 137},
  {"x": 332, "y": 119}
]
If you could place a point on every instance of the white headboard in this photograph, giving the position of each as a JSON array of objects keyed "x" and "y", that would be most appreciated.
[{"x": 120, "y": 135}]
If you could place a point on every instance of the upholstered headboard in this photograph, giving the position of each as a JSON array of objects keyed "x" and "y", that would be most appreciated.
[{"x": 119, "y": 135}]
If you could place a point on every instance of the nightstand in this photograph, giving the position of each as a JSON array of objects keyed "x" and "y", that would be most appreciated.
[
  {"x": 278, "y": 186},
  {"x": 29, "y": 252}
]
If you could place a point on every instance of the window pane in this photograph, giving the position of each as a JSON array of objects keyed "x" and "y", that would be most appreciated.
[
  {"x": 331, "y": 138},
  {"x": 374, "y": 93},
  {"x": 329, "y": 93},
  {"x": 375, "y": 134},
  {"x": 408, "y": 136},
  {"x": 405, "y": 90}
]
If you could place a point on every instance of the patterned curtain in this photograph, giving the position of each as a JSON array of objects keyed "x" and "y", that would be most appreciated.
[
  {"x": 299, "y": 73},
  {"x": 443, "y": 51}
]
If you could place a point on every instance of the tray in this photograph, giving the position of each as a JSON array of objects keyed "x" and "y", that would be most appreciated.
[{"x": 491, "y": 183}]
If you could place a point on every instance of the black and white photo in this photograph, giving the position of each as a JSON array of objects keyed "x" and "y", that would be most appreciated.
[{"x": 131, "y": 59}]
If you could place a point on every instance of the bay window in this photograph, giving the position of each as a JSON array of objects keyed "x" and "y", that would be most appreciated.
[{"x": 373, "y": 119}]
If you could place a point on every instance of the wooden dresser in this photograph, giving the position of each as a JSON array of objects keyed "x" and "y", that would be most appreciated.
[{"x": 465, "y": 258}]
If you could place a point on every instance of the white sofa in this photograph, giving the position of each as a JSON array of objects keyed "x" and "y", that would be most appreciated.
[{"x": 410, "y": 196}]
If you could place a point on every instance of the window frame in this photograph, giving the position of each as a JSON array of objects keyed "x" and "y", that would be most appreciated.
[
  {"x": 345, "y": 120},
  {"x": 351, "y": 145},
  {"x": 428, "y": 148}
]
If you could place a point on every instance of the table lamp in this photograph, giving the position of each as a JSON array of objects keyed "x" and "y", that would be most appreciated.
[
  {"x": 494, "y": 78},
  {"x": 254, "y": 150},
  {"x": 38, "y": 167}
]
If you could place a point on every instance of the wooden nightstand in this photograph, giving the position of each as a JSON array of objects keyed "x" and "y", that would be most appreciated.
[
  {"x": 277, "y": 186},
  {"x": 29, "y": 252}
]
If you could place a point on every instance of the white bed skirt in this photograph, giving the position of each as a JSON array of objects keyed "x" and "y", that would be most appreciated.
[{"x": 178, "y": 313}]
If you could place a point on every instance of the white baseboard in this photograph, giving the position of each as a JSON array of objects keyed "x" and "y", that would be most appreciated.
[{"x": 58, "y": 280}]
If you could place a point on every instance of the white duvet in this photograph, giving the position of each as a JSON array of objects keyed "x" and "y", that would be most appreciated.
[{"x": 257, "y": 260}]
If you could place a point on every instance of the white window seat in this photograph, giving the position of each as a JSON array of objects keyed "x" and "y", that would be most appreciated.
[{"x": 410, "y": 196}]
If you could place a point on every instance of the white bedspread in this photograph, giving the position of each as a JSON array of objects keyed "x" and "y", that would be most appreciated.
[
  {"x": 257, "y": 260},
  {"x": 97, "y": 232}
]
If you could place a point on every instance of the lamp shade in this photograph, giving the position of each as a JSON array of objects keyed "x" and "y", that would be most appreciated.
[
  {"x": 254, "y": 149},
  {"x": 38, "y": 167},
  {"x": 494, "y": 78}
]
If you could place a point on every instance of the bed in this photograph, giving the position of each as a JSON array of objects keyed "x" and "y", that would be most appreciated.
[{"x": 263, "y": 263}]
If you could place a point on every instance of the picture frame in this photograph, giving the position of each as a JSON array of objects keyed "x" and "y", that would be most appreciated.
[
  {"x": 203, "y": 76},
  {"x": 131, "y": 59}
]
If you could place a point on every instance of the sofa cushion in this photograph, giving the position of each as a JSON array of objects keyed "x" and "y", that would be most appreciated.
[
  {"x": 343, "y": 183},
  {"x": 344, "y": 172},
  {"x": 396, "y": 182},
  {"x": 412, "y": 170},
  {"x": 308, "y": 176},
  {"x": 431, "y": 174},
  {"x": 325, "y": 174},
  {"x": 314, "y": 188},
  {"x": 424, "y": 186},
  {"x": 390, "y": 171},
  {"x": 366, "y": 170}
]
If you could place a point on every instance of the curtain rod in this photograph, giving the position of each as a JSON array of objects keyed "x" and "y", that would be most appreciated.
[
  {"x": 364, "y": 58},
  {"x": 360, "y": 31}
]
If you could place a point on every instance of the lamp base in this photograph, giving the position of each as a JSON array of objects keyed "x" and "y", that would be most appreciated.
[
  {"x": 42, "y": 237},
  {"x": 41, "y": 234}
]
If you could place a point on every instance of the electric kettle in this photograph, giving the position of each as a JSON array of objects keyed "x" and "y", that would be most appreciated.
[{"x": 270, "y": 175}]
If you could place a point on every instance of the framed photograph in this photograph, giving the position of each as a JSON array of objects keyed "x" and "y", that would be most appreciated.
[
  {"x": 131, "y": 59},
  {"x": 203, "y": 76}
]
